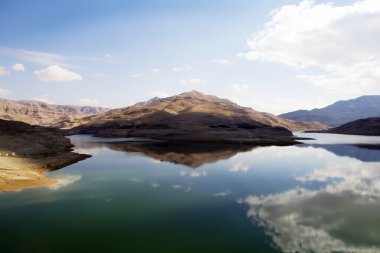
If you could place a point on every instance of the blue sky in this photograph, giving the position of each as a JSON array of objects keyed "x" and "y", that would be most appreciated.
[{"x": 255, "y": 53}]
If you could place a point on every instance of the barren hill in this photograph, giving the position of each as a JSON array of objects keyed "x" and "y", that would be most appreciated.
[
  {"x": 192, "y": 116},
  {"x": 192, "y": 110},
  {"x": 43, "y": 114}
]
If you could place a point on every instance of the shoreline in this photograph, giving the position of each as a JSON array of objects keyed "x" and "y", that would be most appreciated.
[{"x": 19, "y": 173}]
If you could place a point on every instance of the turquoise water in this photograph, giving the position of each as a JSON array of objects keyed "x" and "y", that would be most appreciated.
[{"x": 321, "y": 196}]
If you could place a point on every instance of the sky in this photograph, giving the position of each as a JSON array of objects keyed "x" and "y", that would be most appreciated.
[{"x": 273, "y": 56}]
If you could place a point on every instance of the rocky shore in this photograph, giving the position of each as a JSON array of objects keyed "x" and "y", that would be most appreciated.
[{"x": 27, "y": 152}]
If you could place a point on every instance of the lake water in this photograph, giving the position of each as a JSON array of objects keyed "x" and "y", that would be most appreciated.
[{"x": 321, "y": 196}]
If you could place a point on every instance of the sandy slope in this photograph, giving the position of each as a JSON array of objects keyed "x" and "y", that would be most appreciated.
[{"x": 27, "y": 152}]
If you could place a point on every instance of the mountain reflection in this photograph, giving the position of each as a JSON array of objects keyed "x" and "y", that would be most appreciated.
[
  {"x": 191, "y": 155},
  {"x": 362, "y": 152},
  {"x": 340, "y": 217}
]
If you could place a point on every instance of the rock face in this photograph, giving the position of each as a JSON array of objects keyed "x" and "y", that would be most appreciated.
[
  {"x": 368, "y": 126},
  {"x": 340, "y": 112},
  {"x": 26, "y": 152},
  {"x": 192, "y": 116},
  {"x": 43, "y": 114}
]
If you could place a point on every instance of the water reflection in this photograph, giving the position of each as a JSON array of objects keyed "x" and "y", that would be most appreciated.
[
  {"x": 63, "y": 180},
  {"x": 192, "y": 155},
  {"x": 362, "y": 152},
  {"x": 340, "y": 217},
  {"x": 321, "y": 196}
]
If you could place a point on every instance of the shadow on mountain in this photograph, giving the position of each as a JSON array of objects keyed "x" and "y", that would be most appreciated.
[
  {"x": 362, "y": 152},
  {"x": 189, "y": 154}
]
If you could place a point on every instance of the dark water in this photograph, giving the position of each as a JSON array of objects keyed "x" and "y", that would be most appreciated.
[{"x": 321, "y": 196}]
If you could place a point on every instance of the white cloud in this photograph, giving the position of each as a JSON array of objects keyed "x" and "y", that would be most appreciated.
[
  {"x": 18, "y": 67},
  {"x": 182, "y": 68},
  {"x": 221, "y": 61},
  {"x": 89, "y": 102},
  {"x": 3, "y": 71},
  {"x": 4, "y": 92},
  {"x": 37, "y": 57},
  {"x": 340, "y": 40},
  {"x": 109, "y": 56},
  {"x": 56, "y": 73},
  {"x": 155, "y": 71},
  {"x": 137, "y": 75},
  {"x": 193, "y": 81},
  {"x": 239, "y": 87}
]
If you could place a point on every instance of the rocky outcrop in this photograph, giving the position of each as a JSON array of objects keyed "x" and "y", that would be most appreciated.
[
  {"x": 43, "y": 114},
  {"x": 26, "y": 152}
]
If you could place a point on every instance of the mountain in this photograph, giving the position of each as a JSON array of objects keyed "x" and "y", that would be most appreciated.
[
  {"x": 191, "y": 115},
  {"x": 26, "y": 152},
  {"x": 340, "y": 112},
  {"x": 43, "y": 114},
  {"x": 368, "y": 126}
]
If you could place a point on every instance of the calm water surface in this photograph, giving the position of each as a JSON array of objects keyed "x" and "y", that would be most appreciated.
[{"x": 321, "y": 196}]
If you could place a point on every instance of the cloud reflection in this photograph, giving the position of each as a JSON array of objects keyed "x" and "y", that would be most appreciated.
[
  {"x": 239, "y": 167},
  {"x": 181, "y": 187},
  {"x": 63, "y": 180},
  {"x": 342, "y": 216}
]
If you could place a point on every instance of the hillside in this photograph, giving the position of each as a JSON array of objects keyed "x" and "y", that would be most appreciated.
[
  {"x": 368, "y": 126},
  {"x": 43, "y": 114},
  {"x": 192, "y": 113},
  {"x": 26, "y": 152},
  {"x": 340, "y": 112}
]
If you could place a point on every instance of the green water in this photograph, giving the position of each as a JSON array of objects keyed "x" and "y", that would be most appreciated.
[{"x": 321, "y": 196}]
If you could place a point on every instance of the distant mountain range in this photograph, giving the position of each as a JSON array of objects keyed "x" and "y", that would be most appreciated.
[
  {"x": 43, "y": 114},
  {"x": 340, "y": 112}
]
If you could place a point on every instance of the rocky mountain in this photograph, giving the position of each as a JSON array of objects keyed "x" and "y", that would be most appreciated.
[
  {"x": 368, "y": 126},
  {"x": 26, "y": 152},
  {"x": 340, "y": 112},
  {"x": 191, "y": 115},
  {"x": 43, "y": 114}
]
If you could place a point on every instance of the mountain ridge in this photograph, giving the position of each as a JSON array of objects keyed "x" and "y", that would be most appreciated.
[
  {"x": 43, "y": 114},
  {"x": 340, "y": 112},
  {"x": 191, "y": 116},
  {"x": 197, "y": 102}
]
